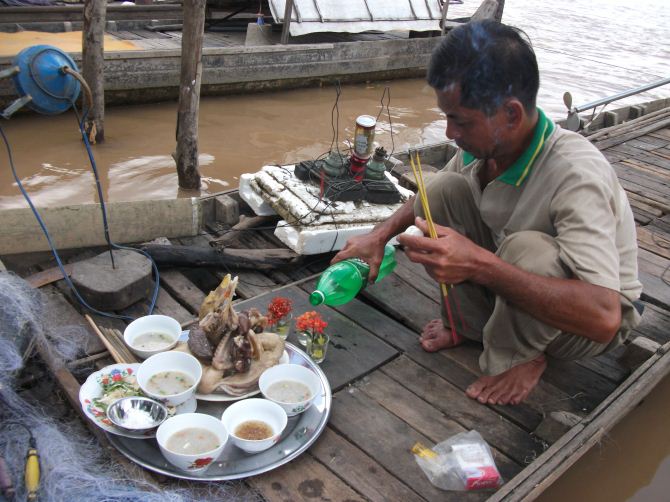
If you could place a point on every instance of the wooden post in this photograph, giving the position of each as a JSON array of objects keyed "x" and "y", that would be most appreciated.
[
  {"x": 92, "y": 55},
  {"x": 499, "y": 12},
  {"x": 445, "y": 9},
  {"x": 288, "y": 12},
  {"x": 186, "y": 155}
]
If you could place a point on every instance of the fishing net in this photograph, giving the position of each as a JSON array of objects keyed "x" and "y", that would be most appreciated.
[{"x": 74, "y": 467}]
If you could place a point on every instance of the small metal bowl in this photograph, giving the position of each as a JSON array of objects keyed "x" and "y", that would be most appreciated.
[{"x": 137, "y": 414}]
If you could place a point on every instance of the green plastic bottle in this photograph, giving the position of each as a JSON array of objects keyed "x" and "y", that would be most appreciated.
[{"x": 341, "y": 282}]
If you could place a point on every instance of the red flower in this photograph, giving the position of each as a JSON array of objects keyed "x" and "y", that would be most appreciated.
[
  {"x": 117, "y": 377},
  {"x": 311, "y": 321},
  {"x": 279, "y": 308}
]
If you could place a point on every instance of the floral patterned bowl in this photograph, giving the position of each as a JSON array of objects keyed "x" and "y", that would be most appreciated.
[
  {"x": 291, "y": 386},
  {"x": 195, "y": 423}
]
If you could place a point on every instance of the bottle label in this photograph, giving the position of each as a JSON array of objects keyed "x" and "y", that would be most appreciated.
[{"x": 362, "y": 269}]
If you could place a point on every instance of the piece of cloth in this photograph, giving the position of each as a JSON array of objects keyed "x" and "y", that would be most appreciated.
[{"x": 567, "y": 217}]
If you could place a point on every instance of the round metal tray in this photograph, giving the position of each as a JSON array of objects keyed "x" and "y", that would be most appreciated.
[{"x": 301, "y": 431}]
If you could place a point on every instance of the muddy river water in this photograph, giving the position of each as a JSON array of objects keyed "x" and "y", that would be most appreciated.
[{"x": 592, "y": 48}]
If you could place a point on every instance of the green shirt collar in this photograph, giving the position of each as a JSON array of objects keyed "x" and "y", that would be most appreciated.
[{"x": 517, "y": 173}]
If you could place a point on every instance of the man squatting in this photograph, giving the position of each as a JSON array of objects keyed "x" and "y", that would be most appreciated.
[{"x": 534, "y": 230}]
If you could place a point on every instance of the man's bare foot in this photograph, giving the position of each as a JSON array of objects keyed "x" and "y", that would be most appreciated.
[
  {"x": 510, "y": 387},
  {"x": 435, "y": 336}
]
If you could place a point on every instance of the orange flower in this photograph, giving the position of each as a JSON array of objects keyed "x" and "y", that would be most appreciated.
[{"x": 312, "y": 322}]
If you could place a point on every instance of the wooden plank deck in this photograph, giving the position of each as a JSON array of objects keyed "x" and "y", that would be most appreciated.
[{"x": 388, "y": 393}]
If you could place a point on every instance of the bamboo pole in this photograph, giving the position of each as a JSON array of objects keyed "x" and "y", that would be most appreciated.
[
  {"x": 288, "y": 12},
  {"x": 186, "y": 155},
  {"x": 499, "y": 12},
  {"x": 445, "y": 9},
  {"x": 92, "y": 56}
]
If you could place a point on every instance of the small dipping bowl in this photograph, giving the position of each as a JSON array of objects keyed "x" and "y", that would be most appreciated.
[
  {"x": 197, "y": 424},
  {"x": 137, "y": 414},
  {"x": 173, "y": 361},
  {"x": 256, "y": 410},
  {"x": 286, "y": 376},
  {"x": 151, "y": 334}
]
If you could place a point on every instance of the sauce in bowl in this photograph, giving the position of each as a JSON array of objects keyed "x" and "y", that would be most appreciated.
[{"x": 253, "y": 430}]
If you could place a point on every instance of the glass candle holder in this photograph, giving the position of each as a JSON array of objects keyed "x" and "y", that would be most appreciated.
[
  {"x": 302, "y": 337},
  {"x": 317, "y": 346},
  {"x": 282, "y": 326}
]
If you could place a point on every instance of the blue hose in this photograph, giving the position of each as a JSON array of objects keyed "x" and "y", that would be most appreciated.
[{"x": 104, "y": 219}]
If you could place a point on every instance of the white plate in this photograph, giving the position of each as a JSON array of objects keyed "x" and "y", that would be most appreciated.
[
  {"x": 220, "y": 397},
  {"x": 92, "y": 389}
]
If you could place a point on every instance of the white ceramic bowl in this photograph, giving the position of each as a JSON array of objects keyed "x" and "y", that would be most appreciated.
[
  {"x": 290, "y": 373},
  {"x": 167, "y": 327},
  {"x": 170, "y": 361},
  {"x": 254, "y": 409},
  {"x": 191, "y": 462}
]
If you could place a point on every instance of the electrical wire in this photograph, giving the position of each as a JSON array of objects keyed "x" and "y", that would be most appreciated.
[
  {"x": 387, "y": 94},
  {"x": 335, "y": 118},
  {"x": 81, "y": 120}
]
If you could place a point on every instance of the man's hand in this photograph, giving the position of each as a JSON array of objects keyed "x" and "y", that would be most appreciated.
[
  {"x": 368, "y": 248},
  {"x": 450, "y": 259}
]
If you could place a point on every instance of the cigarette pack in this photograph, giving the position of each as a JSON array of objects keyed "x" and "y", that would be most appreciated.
[{"x": 477, "y": 468}]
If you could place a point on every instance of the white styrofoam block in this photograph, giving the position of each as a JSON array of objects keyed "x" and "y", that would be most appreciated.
[
  {"x": 321, "y": 239},
  {"x": 405, "y": 192},
  {"x": 252, "y": 197}
]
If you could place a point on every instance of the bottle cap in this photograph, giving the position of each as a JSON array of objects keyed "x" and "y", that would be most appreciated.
[
  {"x": 414, "y": 230},
  {"x": 317, "y": 298}
]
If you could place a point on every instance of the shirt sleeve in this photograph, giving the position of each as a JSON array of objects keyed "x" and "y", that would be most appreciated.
[{"x": 583, "y": 211}]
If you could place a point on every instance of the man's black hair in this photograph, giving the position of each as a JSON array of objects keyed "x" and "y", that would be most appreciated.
[{"x": 490, "y": 61}]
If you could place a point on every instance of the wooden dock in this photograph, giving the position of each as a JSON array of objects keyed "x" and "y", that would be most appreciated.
[{"x": 389, "y": 394}]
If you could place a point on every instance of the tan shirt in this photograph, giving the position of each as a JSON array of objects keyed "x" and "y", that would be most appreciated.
[{"x": 571, "y": 193}]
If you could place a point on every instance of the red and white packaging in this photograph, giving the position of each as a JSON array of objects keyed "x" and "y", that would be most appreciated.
[{"x": 477, "y": 468}]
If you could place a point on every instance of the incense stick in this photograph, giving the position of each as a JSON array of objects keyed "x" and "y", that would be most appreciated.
[
  {"x": 114, "y": 345},
  {"x": 421, "y": 188}
]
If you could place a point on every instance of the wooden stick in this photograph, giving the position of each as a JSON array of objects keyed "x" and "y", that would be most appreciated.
[
  {"x": 115, "y": 337},
  {"x": 120, "y": 356}
]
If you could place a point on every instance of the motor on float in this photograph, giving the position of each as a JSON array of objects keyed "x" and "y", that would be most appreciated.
[
  {"x": 361, "y": 175},
  {"x": 46, "y": 79}
]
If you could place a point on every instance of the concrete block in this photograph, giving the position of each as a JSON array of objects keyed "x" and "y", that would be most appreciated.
[
  {"x": 638, "y": 351},
  {"x": 107, "y": 288},
  {"x": 610, "y": 119},
  {"x": 554, "y": 425},
  {"x": 258, "y": 35},
  {"x": 636, "y": 111},
  {"x": 227, "y": 210}
]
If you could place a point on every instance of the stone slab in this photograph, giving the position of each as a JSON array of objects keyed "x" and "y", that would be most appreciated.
[{"x": 107, "y": 288}]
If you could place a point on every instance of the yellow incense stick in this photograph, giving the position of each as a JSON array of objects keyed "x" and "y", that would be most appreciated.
[{"x": 421, "y": 187}]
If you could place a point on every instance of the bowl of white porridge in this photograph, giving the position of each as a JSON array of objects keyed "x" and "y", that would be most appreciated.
[
  {"x": 291, "y": 386},
  {"x": 151, "y": 334},
  {"x": 170, "y": 377},
  {"x": 192, "y": 441}
]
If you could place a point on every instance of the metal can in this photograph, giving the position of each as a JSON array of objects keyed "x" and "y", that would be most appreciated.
[{"x": 364, "y": 136}]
